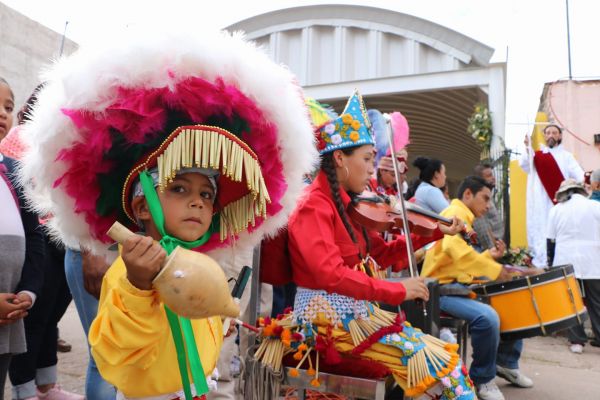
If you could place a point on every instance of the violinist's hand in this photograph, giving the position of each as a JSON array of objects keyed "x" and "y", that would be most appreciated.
[
  {"x": 416, "y": 289},
  {"x": 456, "y": 227},
  {"x": 498, "y": 251}
]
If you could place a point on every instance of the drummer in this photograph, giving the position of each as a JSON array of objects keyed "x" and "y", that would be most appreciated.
[{"x": 455, "y": 264}]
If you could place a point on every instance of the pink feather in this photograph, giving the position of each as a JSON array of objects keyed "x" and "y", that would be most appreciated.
[{"x": 400, "y": 130}]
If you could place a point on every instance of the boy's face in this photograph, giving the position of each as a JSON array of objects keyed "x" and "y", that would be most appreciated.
[
  {"x": 479, "y": 203},
  {"x": 187, "y": 205}
]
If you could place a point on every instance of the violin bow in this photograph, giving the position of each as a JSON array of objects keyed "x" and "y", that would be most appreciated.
[{"x": 412, "y": 261}]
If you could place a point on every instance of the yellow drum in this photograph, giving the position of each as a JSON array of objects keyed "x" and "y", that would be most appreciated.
[{"x": 536, "y": 305}]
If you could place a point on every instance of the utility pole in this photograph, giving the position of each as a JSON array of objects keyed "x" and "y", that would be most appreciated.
[
  {"x": 569, "y": 40},
  {"x": 62, "y": 42}
]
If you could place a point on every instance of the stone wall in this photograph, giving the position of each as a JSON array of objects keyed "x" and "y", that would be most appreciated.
[{"x": 26, "y": 47}]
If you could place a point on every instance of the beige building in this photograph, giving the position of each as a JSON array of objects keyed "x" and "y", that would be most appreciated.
[
  {"x": 25, "y": 48},
  {"x": 432, "y": 74}
]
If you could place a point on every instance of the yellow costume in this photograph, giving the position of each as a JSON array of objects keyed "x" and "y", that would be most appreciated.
[
  {"x": 131, "y": 342},
  {"x": 453, "y": 260}
]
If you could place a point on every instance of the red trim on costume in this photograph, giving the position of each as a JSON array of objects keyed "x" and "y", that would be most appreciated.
[
  {"x": 325, "y": 345},
  {"x": 276, "y": 269},
  {"x": 549, "y": 172},
  {"x": 374, "y": 338}
]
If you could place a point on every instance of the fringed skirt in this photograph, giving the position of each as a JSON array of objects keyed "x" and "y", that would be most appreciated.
[{"x": 345, "y": 335}]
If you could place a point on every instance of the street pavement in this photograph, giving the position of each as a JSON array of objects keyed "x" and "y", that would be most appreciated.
[{"x": 557, "y": 373}]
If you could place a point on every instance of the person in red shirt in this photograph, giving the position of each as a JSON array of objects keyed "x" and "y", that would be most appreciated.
[{"x": 333, "y": 261}]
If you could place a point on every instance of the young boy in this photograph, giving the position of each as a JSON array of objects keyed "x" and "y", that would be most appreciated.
[{"x": 187, "y": 141}]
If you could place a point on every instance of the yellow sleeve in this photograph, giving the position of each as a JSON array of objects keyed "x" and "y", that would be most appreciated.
[
  {"x": 131, "y": 340},
  {"x": 128, "y": 319},
  {"x": 468, "y": 261}
]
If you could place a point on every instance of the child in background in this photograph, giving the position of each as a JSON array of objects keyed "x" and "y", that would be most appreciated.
[
  {"x": 21, "y": 251},
  {"x": 34, "y": 374}
]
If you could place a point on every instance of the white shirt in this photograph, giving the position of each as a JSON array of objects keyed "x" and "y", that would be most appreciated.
[
  {"x": 575, "y": 225},
  {"x": 538, "y": 201}
]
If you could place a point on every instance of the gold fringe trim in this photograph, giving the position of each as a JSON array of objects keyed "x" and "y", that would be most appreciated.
[{"x": 204, "y": 148}]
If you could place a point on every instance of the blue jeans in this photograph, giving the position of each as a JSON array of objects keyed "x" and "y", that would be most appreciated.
[
  {"x": 484, "y": 328},
  {"x": 96, "y": 388}
]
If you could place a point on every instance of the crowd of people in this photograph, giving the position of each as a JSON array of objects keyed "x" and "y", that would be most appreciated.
[{"x": 204, "y": 143}]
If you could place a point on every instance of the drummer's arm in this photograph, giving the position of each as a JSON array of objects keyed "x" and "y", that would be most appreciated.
[
  {"x": 551, "y": 236},
  {"x": 550, "y": 247},
  {"x": 466, "y": 259}
]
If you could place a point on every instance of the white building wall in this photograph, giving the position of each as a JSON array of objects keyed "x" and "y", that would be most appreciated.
[
  {"x": 25, "y": 48},
  {"x": 327, "y": 54}
]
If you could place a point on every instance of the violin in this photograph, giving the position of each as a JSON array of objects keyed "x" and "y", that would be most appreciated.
[{"x": 376, "y": 213}]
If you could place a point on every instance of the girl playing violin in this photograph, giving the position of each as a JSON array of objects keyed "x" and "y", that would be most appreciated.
[{"x": 333, "y": 260}]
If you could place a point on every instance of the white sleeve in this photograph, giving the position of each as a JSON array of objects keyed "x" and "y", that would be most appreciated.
[
  {"x": 524, "y": 161},
  {"x": 574, "y": 169},
  {"x": 551, "y": 224}
]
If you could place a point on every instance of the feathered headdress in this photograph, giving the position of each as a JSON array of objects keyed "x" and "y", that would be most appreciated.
[
  {"x": 400, "y": 132},
  {"x": 167, "y": 101}
]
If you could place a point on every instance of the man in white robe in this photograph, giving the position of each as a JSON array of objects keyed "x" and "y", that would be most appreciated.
[{"x": 541, "y": 182}]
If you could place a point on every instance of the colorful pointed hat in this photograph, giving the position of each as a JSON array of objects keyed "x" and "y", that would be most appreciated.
[
  {"x": 352, "y": 128},
  {"x": 187, "y": 99}
]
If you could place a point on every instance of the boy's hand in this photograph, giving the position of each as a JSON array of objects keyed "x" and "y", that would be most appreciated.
[
  {"x": 498, "y": 251},
  {"x": 143, "y": 258}
]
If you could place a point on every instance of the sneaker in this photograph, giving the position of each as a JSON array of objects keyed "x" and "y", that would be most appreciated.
[
  {"x": 595, "y": 343},
  {"x": 56, "y": 393},
  {"x": 489, "y": 391},
  {"x": 514, "y": 376},
  {"x": 576, "y": 348},
  {"x": 447, "y": 336}
]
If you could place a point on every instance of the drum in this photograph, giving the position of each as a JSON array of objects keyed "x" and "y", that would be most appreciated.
[{"x": 536, "y": 305}]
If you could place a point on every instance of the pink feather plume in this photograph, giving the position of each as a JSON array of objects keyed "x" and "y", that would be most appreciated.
[{"x": 400, "y": 130}]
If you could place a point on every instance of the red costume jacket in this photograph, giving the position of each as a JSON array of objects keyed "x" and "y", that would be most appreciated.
[
  {"x": 377, "y": 188},
  {"x": 323, "y": 254}
]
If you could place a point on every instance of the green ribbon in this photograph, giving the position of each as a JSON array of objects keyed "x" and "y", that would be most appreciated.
[{"x": 181, "y": 328}]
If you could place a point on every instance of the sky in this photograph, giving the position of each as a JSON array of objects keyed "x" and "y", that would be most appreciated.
[{"x": 530, "y": 35}]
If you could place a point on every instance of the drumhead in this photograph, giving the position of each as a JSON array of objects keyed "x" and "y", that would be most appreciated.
[{"x": 501, "y": 287}]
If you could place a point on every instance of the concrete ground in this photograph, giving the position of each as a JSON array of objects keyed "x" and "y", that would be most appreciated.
[{"x": 557, "y": 373}]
